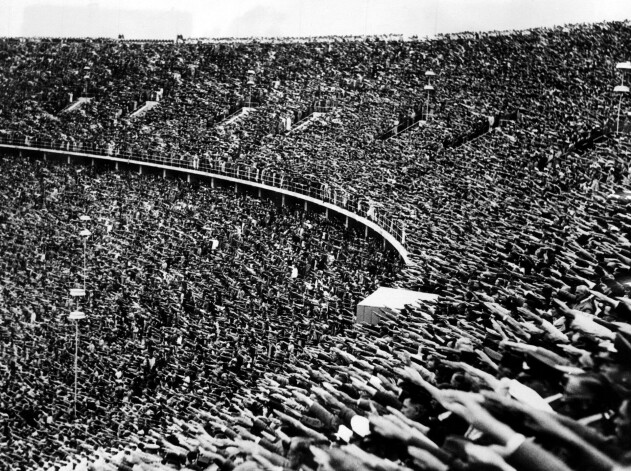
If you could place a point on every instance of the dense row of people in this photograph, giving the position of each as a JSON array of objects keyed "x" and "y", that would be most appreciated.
[
  {"x": 524, "y": 362},
  {"x": 191, "y": 293},
  {"x": 371, "y": 81}
]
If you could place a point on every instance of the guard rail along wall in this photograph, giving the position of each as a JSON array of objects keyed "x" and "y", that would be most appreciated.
[{"x": 338, "y": 200}]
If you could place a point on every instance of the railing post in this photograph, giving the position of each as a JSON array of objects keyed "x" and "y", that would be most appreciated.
[
  {"x": 346, "y": 222},
  {"x": 306, "y": 206},
  {"x": 282, "y": 200},
  {"x": 116, "y": 166},
  {"x": 93, "y": 161},
  {"x": 188, "y": 178},
  {"x": 326, "y": 213},
  {"x": 164, "y": 173},
  {"x": 68, "y": 159},
  {"x": 140, "y": 170},
  {"x": 260, "y": 193},
  {"x": 212, "y": 182}
]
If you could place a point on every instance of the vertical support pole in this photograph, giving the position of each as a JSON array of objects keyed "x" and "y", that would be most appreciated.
[
  {"x": 236, "y": 188},
  {"x": 618, "y": 122},
  {"x": 116, "y": 166},
  {"x": 76, "y": 355},
  {"x": 68, "y": 159},
  {"x": 140, "y": 170},
  {"x": 188, "y": 178},
  {"x": 164, "y": 173},
  {"x": 326, "y": 213},
  {"x": 212, "y": 182},
  {"x": 93, "y": 162},
  {"x": 306, "y": 206},
  {"x": 365, "y": 232},
  {"x": 282, "y": 200},
  {"x": 346, "y": 222},
  {"x": 260, "y": 193}
]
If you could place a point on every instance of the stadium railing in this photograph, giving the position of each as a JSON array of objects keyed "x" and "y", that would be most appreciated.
[{"x": 349, "y": 200}]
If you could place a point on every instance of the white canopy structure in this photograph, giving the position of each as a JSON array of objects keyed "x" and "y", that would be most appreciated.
[{"x": 391, "y": 298}]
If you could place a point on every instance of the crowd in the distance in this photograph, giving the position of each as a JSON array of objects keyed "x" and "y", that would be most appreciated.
[
  {"x": 561, "y": 79},
  {"x": 523, "y": 363}
]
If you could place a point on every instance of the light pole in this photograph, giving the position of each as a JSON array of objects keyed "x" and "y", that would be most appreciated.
[
  {"x": 429, "y": 88},
  {"x": 86, "y": 77},
  {"x": 250, "y": 84},
  {"x": 621, "y": 89},
  {"x": 77, "y": 315}
]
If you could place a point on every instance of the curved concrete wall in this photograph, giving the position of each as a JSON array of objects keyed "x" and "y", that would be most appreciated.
[{"x": 367, "y": 223}]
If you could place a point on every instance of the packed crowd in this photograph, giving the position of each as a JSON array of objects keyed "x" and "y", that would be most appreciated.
[
  {"x": 373, "y": 83},
  {"x": 192, "y": 294},
  {"x": 524, "y": 362}
]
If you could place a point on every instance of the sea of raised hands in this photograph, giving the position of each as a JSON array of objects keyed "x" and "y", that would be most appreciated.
[{"x": 220, "y": 329}]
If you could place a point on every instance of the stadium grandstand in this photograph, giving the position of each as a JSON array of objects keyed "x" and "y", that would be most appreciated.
[{"x": 188, "y": 227}]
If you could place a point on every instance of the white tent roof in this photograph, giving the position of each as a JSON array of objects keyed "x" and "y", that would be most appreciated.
[{"x": 395, "y": 298}]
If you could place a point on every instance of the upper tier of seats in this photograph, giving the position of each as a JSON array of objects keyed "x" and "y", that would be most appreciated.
[{"x": 560, "y": 79}]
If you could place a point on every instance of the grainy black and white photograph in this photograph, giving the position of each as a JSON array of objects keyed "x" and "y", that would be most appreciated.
[{"x": 315, "y": 235}]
